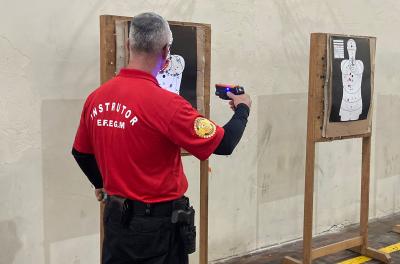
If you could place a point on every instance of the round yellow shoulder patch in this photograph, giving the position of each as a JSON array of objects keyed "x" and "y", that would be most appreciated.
[{"x": 204, "y": 128}]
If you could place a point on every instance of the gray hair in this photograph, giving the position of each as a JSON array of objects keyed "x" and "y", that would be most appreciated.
[{"x": 149, "y": 33}]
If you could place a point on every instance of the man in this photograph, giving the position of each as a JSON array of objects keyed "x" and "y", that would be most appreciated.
[{"x": 129, "y": 141}]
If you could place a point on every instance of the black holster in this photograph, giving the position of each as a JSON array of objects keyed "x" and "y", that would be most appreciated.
[
  {"x": 121, "y": 208},
  {"x": 183, "y": 215}
]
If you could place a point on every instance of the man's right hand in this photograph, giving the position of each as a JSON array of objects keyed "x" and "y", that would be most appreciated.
[
  {"x": 239, "y": 99},
  {"x": 100, "y": 194}
]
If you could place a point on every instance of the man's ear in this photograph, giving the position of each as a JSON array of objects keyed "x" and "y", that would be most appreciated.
[{"x": 165, "y": 52}]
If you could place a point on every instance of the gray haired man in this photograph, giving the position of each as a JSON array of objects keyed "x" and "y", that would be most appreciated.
[{"x": 129, "y": 142}]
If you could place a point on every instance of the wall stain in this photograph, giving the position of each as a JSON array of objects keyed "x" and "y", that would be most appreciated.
[
  {"x": 10, "y": 242},
  {"x": 281, "y": 146},
  {"x": 265, "y": 138}
]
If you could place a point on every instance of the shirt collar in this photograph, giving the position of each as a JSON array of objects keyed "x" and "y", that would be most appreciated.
[{"x": 134, "y": 73}]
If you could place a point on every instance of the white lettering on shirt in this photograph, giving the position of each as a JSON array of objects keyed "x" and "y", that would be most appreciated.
[
  {"x": 133, "y": 120},
  {"x": 94, "y": 113},
  {"x": 110, "y": 123},
  {"x": 125, "y": 112}
]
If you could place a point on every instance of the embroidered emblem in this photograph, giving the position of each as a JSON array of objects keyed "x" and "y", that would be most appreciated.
[{"x": 204, "y": 128}]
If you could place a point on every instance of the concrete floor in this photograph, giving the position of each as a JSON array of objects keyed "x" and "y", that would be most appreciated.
[{"x": 380, "y": 235}]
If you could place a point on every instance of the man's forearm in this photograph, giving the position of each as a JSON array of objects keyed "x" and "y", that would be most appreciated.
[
  {"x": 233, "y": 130},
  {"x": 88, "y": 164}
]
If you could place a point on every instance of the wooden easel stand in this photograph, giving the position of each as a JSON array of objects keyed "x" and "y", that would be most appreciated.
[{"x": 318, "y": 53}]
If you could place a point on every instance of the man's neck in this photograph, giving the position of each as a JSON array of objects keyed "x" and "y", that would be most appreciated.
[{"x": 144, "y": 63}]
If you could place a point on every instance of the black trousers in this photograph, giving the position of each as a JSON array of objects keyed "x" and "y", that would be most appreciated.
[{"x": 142, "y": 240}]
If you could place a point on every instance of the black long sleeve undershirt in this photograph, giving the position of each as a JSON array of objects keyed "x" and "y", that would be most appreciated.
[
  {"x": 233, "y": 133},
  {"x": 88, "y": 164},
  {"x": 233, "y": 130}
]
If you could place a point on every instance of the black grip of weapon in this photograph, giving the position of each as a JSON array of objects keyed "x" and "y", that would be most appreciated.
[{"x": 222, "y": 90}]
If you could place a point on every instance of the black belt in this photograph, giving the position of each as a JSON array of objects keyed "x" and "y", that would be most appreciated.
[{"x": 137, "y": 208}]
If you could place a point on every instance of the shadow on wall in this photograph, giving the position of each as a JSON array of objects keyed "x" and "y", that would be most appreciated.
[
  {"x": 70, "y": 209},
  {"x": 387, "y": 130},
  {"x": 10, "y": 242},
  {"x": 282, "y": 127}
]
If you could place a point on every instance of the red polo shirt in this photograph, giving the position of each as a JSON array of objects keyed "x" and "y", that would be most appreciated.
[{"x": 136, "y": 130}]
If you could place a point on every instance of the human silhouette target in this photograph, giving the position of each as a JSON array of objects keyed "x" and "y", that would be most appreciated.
[{"x": 351, "y": 79}]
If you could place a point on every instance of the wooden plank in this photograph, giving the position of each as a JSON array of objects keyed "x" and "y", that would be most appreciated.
[
  {"x": 107, "y": 71},
  {"x": 207, "y": 70},
  {"x": 337, "y": 247},
  {"x": 101, "y": 230},
  {"x": 201, "y": 42},
  {"x": 365, "y": 178},
  {"x": 107, "y": 48},
  {"x": 348, "y": 129},
  {"x": 290, "y": 260},
  {"x": 342, "y": 137},
  {"x": 314, "y": 106},
  {"x": 107, "y": 57},
  {"x": 396, "y": 229},
  {"x": 204, "y": 165},
  {"x": 373, "y": 254},
  {"x": 308, "y": 202},
  {"x": 203, "y": 256},
  {"x": 317, "y": 71}
]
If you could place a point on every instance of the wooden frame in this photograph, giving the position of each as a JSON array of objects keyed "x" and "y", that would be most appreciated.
[
  {"x": 108, "y": 53},
  {"x": 335, "y": 129},
  {"x": 318, "y": 61},
  {"x": 396, "y": 229}
]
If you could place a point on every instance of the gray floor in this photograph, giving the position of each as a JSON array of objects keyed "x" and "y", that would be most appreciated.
[{"x": 380, "y": 235}]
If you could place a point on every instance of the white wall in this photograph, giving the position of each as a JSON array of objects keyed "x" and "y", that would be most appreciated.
[{"x": 49, "y": 62}]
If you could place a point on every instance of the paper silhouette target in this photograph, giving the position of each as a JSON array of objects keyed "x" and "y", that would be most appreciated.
[
  {"x": 348, "y": 86},
  {"x": 170, "y": 76},
  {"x": 352, "y": 72},
  {"x": 351, "y": 79},
  {"x": 181, "y": 72}
]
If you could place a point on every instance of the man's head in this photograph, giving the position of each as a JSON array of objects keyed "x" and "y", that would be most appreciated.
[{"x": 150, "y": 35}]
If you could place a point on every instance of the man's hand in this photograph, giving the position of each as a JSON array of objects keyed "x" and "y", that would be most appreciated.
[
  {"x": 100, "y": 194},
  {"x": 239, "y": 99}
]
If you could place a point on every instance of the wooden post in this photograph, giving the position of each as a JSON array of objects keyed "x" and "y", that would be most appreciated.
[
  {"x": 310, "y": 157},
  {"x": 203, "y": 256},
  {"x": 204, "y": 165},
  {"x": 365, "y": 175},
  {"x": 308, "y": 202},
  {"x": 364, "y": 211},
  {"x": 107, "y": 71}
]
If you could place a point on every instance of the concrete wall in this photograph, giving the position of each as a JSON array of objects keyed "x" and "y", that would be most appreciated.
[{"x": 49, "y": 62}]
